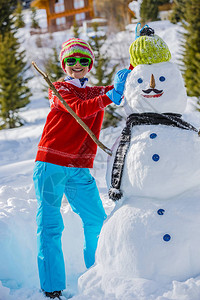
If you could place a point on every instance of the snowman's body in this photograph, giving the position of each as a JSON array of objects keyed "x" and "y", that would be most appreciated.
[
  {"x": 161, "y": 162},
  {"x": 155, "y": 234}
]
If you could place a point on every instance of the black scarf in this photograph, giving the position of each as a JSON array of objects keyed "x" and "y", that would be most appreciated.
[{"x": 168, "y": 119}]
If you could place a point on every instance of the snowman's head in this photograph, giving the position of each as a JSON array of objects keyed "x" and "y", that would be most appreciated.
[{"x": 156, "y": 88}]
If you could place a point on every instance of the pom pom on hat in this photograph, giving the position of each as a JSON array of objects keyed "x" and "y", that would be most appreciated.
[
  {"x": 148, "y": 48},
  {"x": 73, "y": 47}
]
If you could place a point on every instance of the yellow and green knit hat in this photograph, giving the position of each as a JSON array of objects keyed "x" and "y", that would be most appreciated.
[{"x": 148, "y": 48}]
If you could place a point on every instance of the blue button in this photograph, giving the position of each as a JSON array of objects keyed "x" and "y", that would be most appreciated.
[
  {"x": 155, "y": 157},
  {"x": 153, "y": 135},
  {"x": 140, "y": 80},
  {"x": 166, "y": 237},
  {"x": 160, "y": 211}
]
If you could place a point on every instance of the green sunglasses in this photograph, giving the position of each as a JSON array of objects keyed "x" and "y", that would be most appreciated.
[{"x": 83, "y": 61}]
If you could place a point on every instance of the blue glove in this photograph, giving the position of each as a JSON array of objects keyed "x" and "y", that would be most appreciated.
[
  {"x": 120, "y": 79},
  {"x": 114, "y": 96}
]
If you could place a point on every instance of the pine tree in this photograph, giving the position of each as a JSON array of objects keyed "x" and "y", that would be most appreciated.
[
  {"x": 191, "y": 57},
  {"x": 7, "y": 7},
  {"x": 14, "y": 93},
  {"x": 34, "y": 21},
  {"x": 178, "y": 11},
  {"x": 53, "y": 68},
  {"x": 75, "y": 29},
  {"x": 149, "y": 10},
  {"x": 111, "y": 117},
  {"x": 103, "y": 76},
  {"x": 19, "y": 22}
]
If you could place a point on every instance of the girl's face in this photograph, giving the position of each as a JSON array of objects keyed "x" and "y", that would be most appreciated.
[{"x": 77, "y": 71}]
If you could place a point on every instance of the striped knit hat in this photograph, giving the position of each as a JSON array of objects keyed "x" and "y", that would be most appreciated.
[{"x": 75, "y": 46}]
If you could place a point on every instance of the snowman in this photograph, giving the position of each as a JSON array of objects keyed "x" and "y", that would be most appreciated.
[{"x": 154, "y": 234}]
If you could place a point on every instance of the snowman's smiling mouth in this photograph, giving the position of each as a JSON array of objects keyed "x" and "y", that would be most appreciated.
[
  {"x": 157, "y": 93},
  {"x": 153, "y": 96}
]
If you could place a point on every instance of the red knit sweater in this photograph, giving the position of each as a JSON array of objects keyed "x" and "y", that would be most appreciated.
[{"x": 64, "y": 142}]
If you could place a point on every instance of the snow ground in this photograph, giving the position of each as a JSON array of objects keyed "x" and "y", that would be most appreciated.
[{"x": 18, "y": 266}]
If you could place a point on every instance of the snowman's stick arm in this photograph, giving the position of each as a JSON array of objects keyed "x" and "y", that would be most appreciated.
[{"x": 70, "y": 110}]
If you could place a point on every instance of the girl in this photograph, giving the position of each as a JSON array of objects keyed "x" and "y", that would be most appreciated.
[{"x": 65, "y": 154}]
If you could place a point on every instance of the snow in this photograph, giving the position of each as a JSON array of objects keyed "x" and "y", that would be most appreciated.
[{"x": 18, "y": 265}]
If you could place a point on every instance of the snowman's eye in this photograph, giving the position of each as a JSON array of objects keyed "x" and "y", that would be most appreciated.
[
  {"x": 162, "y": 78},
  {"x": 140, "y": 80}
]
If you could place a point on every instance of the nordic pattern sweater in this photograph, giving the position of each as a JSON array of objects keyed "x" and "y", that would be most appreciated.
[{"x": 64, "y": 142}]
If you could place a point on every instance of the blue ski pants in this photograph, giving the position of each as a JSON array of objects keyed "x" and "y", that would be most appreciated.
[{"x": 51, "y": 182}]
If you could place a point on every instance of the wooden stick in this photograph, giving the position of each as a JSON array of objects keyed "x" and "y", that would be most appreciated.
[{"x": 70, "y": 110}]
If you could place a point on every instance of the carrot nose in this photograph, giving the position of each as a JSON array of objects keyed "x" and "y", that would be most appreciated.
[{"x": 152, "y": 82}]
